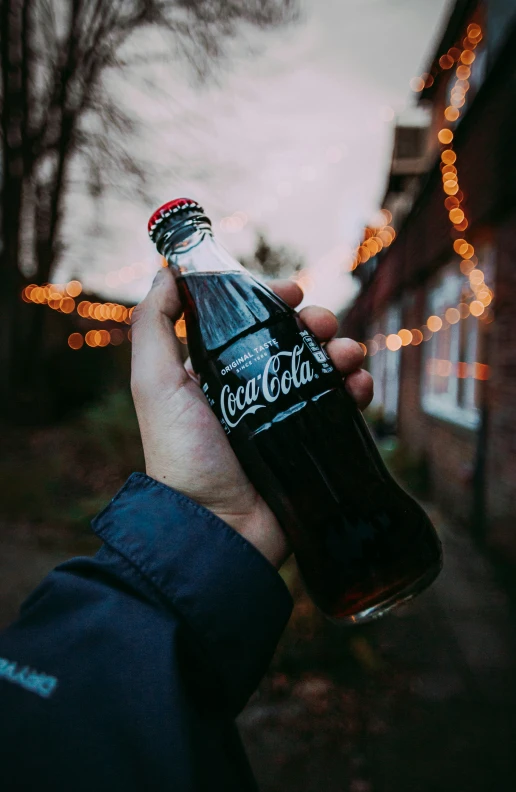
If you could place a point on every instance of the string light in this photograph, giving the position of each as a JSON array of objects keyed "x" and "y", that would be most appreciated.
[
  {"x": 445, "y": 368},
  {"x": 374, "y": 239},
  {"x": 483, "y": 296}
]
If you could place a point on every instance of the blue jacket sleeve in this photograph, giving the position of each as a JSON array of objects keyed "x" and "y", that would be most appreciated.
[{"x": 124, "y": 671}]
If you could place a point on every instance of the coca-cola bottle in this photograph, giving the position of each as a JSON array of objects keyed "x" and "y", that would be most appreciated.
[{"x": 361, "y": 543}]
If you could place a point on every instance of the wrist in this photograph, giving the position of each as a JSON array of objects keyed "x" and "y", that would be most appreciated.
[{"x": 263, "y": 533}]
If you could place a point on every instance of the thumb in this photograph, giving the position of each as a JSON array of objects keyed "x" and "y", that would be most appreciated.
[{"x": 156, "y": 357}]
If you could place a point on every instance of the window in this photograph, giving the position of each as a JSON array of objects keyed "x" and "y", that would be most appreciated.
[
  {"x": 385, "y": 366},
  {"x": 452, "y": 370}
]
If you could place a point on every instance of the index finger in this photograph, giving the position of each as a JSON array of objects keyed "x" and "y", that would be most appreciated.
[{"x": 289, "y": 291}]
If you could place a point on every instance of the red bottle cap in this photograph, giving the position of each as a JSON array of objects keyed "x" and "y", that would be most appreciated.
[{"x": 172, "y": 208}]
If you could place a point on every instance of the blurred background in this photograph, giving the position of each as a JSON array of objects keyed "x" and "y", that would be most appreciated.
[{"x": 364, "y": 148}]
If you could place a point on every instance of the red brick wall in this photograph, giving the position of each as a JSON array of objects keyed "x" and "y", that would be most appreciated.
[
  {"x": 501, "y": 460},
  {"x": 448, "y": 450}
]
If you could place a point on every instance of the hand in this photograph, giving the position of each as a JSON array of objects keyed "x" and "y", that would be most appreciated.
[{"x": 184, "y": 444}]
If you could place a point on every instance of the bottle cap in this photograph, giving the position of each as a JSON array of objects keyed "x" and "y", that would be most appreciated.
[{"x": 169, "y": 209}]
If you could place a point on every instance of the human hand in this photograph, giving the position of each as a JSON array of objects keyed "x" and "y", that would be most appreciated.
[{"x": 184, "y": 444}]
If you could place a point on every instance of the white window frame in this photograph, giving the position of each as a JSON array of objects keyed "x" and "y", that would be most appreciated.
[
  {"x": 385, "y": 365},
  {"x": 446, "y": 293}
]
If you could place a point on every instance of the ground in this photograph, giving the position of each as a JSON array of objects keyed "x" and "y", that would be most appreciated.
[{"x": 424, "y": 700}]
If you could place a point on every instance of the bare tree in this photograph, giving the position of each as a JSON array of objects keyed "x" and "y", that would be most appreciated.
[
  {"x": 53, "y": 107},
  {"x": 272, "y": 261}
]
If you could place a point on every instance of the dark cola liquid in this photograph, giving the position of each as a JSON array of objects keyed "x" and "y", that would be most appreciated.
[{"x": 361, "y": 543}]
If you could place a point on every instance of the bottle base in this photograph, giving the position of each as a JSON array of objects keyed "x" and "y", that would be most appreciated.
[{"x": 399, "y": 597}]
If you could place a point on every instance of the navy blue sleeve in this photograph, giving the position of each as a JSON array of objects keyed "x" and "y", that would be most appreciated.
[{"x": 124, "y": 671}]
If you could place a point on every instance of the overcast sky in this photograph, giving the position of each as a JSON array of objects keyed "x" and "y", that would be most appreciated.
[{"x": 298, "y": 137}]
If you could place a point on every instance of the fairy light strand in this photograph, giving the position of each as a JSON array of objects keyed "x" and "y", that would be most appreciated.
[{"x": 482, "y": 295}]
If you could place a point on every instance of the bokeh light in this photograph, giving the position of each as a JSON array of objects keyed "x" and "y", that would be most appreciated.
[
  {"x": 445, "y": 136},
  {"x": 434, "y": 323},
  {"x": 75, "y": 340},
  {"x": 393, "y": 342}
]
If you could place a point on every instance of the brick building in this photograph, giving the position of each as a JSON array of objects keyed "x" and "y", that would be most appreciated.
[{"x": 450, "y": 385}]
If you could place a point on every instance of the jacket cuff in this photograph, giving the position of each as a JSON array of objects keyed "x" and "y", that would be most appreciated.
[{"x": 221, "y": 585}]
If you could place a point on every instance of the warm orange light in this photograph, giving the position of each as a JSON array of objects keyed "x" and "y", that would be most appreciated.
[
  {"x": 180, "y": 328},
  {"x": 463, "y": 309},
  {"x": 448, "y": 156},
  {"x": 417, "y": 84},
  {"x": 102, "y": 337},
  {"x": 55, "y": 292},
  {"x": 75, "y": 341},
  {"x": 417, "y": 337},
  {"x": 393, "y": 342},
  {"x": 474, "y": 31},
  {"x": 459, "y": 244},
  {"x": 452, "y": 315},
  {"x": 451, "y": 187},
  {"x": 372, "y": 247},
  {"x": 466, "y": 266},
  {"x": 462, "y": 225},
  {"x": 386, "y": 237},
  {"x": 481, "y": 371},
  {"x": 372, "y": 348},
  {"x": 451, "y": 113},
  {"x": 462, "y": 370},
  {"x": 451, "y": 201},
  {"x": 67, "y": 305},
  {"x": 454, "y": 52},
  {"x": 90, "y": 338},
  {"x": 445, "y": 136},
  {"x": 83, "y": 308},
  {"x": 73, "y": 288},
  {"x": 443, "y": 368},
  {"x": 446, "y": 169},
  {"x": 463, "y": 72},
  {"x": 467, "y": 57},
  {"x": 476, "y": 277},
  {"x": 458, "y": 101},
  {"x": 468, "y": 43},
  {"x": 363, "y": 254},
  {"x": 387, "y": 215},
  {"x": 456, "y": 215},
  {"x": 485, "y": 296},
  {"x": 363, "y": 348},
  {"x": 434, "y": 323},
  {"x": 467, "y": 252},
  {"x": 405, "y": 337},
  {"x": 476, "y": 308},
  {"x": 446, "y": 62}
]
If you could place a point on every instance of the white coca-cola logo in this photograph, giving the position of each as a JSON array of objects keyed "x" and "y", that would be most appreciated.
[{"x": 282, "y": 372}]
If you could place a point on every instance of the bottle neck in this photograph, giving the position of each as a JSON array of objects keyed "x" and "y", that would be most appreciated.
[{"x": 191, "y": 247}]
